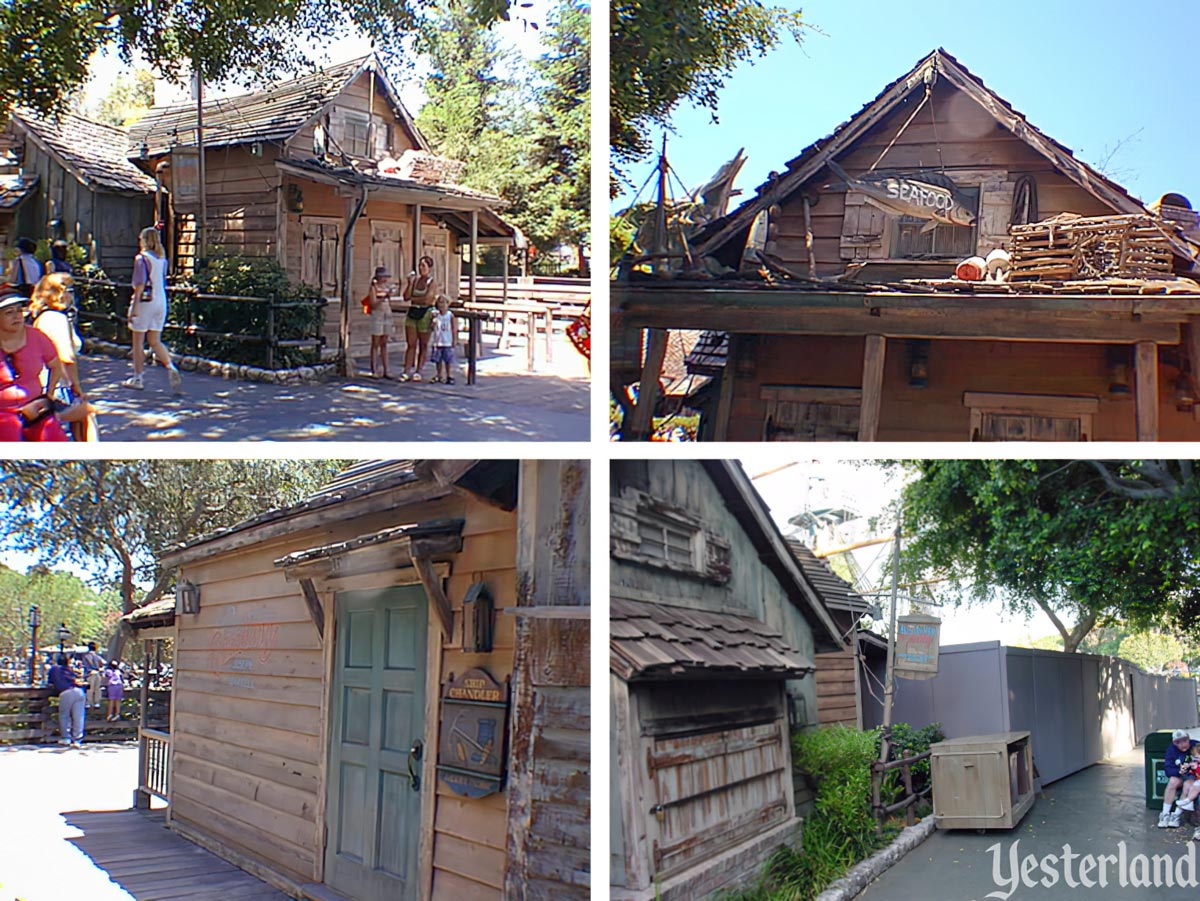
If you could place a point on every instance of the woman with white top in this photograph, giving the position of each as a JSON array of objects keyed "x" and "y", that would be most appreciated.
[
  {"x": 148, "y": 309},
  {"x": 25, "y": 271}
]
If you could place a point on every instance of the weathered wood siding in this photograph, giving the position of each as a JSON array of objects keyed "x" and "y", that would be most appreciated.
[
  {"x": 961, "y": 138},
  {"x": 250, "y": 710},
  {"x": 549, "y": 816},
  {"x": 752, "y": 590},
  {"x": 357, "y": 97},
  {"x": 837, "y": 689},
  {"x": 937, "y": 412},
  {"x": 106, "y": 224}
]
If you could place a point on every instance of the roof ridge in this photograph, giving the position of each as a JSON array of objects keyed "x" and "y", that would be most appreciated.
[{"x": 24, "y": 111}]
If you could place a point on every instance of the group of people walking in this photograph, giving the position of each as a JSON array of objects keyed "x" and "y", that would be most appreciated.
[
  {"x": 429, "y": 326},
  {"x": 40, "y": 388},
  {"x": 76, "y": 693}
]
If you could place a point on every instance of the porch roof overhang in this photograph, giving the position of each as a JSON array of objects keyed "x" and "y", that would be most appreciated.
[
  {"x": 654, "y": 641},
  {"x": 449, "y": 202},
  {"x": 15, "y": 190},
  {"x": 1063, "y": 318},
  {"x": 391, "y": 548},
  {"x": 159, "y": 614}
]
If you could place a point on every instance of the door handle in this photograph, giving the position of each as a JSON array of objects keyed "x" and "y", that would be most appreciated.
[{"x": 414, "y": 756}]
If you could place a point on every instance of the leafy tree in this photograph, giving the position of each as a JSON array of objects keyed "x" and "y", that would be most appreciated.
[
  {"x": 48, "y": 42},
  {"x": 1085, "y": 542},
  {"x": 473, "y": 113},
  {"x": 1151, "y": 650},
  {"x": 129, "y": 98},
  {"x": 61, "y": 598},
  {"x": 665, "y": 53},
  {"x": 559, "y": 197},
  {"x": 120, "y": 514}
]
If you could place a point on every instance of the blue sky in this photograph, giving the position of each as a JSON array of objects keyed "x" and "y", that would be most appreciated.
[{"x": 1087, "y": 74}]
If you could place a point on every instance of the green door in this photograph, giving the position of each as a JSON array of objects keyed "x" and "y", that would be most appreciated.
[{"x": 374, "y": 805}]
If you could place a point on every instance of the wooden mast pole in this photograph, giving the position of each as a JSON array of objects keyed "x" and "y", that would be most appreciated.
[
  {"x": 889, "y": 690},
  {"x": 641, "y": 424},
  {"x": 202, "y": 218}
]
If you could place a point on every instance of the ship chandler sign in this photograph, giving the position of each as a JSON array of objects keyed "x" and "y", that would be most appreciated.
[
  {"x": 917, "y": 646},
  {"x": 471, "y": 748}
]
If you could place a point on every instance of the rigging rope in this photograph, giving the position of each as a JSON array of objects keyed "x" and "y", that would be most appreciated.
[{"x": 904, "y": 127}]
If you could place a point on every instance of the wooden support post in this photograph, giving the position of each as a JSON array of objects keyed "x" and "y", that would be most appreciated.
[
  {"x": 872, "y": 387},
  {"x": 530, "y": 338},
  {"x": 141, "y": 799},
  {"x": 474, "y": 345},
  {"x": 641, "y": 424},
  {"x": 1146, "y": 399},
  {"x": 474, "y": 255},
  {"x": 315, "y": 611},
  {"x": 1191, "y": 346},
  {"x": 808, "y": 239},
  {"x": 725, "y": 396},
  {"x": 433, "y": 587}
]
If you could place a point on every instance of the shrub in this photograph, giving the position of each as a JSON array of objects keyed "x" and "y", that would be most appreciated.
[{"x": 907, "y": 742}]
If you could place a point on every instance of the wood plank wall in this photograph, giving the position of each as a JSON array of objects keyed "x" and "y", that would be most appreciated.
[
  {"x": 357, "y": 97},
  {"x": 936, "y": 412},
  {"x": 837, "y": 689},
  {"x": 249, "y": 765}
]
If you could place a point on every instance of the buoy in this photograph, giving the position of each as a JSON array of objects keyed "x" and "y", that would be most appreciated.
[{"x": 971, "y": 269}]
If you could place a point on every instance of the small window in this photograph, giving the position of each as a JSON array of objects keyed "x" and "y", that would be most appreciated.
[
  {"x": 811, "y": 413},
  {"x": 1030, "y": 417},
  {"x": 357, "y": 137},
  {"x": 913, "y": 242},
  {"x": 651, "y": 532}
]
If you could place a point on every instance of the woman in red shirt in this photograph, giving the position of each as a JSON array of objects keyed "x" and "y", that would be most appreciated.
[{"x": 26, "y": 412}]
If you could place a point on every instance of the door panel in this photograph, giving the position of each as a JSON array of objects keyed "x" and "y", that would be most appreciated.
[{"x": 378, "y": 712}]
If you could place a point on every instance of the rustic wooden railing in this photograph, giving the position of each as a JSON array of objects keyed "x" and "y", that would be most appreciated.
[
  {"x": 112, "y": 312},
  {"x": 908, "y": 800},
  {"x": 567, "y": 296},
  {"x": 25, "y": 714},
  {"x": 154, "y": 765}
]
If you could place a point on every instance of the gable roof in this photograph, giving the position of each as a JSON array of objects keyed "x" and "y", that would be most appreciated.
[
  {"x": 939, "y": 63},
  {"x": 93, "y": 152},
  {"x": 275, "y": 113},
  {"x": 752, "y": 512}
]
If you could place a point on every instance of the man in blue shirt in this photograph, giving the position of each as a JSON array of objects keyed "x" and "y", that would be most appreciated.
[
  {"x": 1177, "y": 765},
  {"x": 70, "y": 702}
]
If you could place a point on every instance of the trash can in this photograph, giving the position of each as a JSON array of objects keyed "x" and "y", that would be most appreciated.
[{"x": 1156, "y": 744}]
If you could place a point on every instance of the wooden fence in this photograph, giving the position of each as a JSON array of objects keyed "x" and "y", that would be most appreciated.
[
  {"x": 273, "y": 330},
  {"x": 30, "y": 716},
  {"x": 908, "y": 800},
  {"x": 154, "y": 765}
]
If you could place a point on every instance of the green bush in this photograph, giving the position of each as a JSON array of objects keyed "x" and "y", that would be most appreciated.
[{"x": 908, "y": 742}]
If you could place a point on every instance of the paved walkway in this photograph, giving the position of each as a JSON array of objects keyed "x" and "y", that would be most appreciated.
[
  {"x": 67, "y": 832},
  {"x": 506, "y": 404},
  {"x": 1093, "y": 811}
]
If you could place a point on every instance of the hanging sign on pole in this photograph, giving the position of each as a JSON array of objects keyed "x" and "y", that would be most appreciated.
[{"x": 917, "y": 637}]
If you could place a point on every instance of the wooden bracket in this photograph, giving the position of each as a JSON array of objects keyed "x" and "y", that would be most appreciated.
[
  {"x": 315, "y": 609},
  {"x": 433, "y": 587}
]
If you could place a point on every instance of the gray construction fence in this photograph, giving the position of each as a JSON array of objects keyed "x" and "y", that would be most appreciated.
[{"x": 1079, "y": 708}]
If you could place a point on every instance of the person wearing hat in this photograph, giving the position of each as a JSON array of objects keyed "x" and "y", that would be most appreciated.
[
  {"x": 381, "y": 320},
  {"x": 1179, "y": 769},
  {"x": 25, "y": 271},
  {"x": 26, "y": 412}
]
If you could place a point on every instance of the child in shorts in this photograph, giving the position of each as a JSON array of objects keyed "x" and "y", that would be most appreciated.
[
  {"x": 115, "y": 684},
  {"x": 443, "y": 329}
]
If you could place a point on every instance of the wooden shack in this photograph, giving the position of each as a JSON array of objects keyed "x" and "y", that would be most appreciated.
[
  {"x": 836, "y": 321},
  {"x": 382, "y": 692},
  {"x": 76, "y": 183},
  {"x": 713, "y": 632},
  {"x": 326, "y": 173}
]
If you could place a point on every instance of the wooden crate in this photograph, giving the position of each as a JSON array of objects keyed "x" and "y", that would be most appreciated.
[
  {"x": 982, "y": 781},
  {"x": 1077, "y": 247}
]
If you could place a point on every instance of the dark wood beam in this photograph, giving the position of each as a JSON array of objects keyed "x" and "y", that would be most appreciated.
[
  {"x": 437, "y": 596},
  {"x": 316, "y": 611}
]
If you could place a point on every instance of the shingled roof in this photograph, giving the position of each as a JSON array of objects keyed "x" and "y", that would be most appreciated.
[
  {"x": 274, "y": 113},
  {"x": 835, "y": 591},
  {"x": 650, "y": 639},
  {"x": 15, "y": 188},
  {"x": 91, "y": 151},
  {"x": 813, "y": 157}
]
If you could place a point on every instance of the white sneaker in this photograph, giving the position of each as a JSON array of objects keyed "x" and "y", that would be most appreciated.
[
  {"x": 1163, "y": 817},
  {"x": 135, "y": 381},
  {"x": 1196, "y": 835},
  {"x": 1173, "y": 822},
  {"x": 1186, "y": 804},
  {"x": 176, "y": 380}
]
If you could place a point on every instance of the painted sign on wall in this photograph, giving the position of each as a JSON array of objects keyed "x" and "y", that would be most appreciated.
[
  {"x": 471, "y": 750},
  {"x": 917, "y": 636}
]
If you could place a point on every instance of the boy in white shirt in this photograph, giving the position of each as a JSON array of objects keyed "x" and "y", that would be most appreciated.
[{"x": 441, "y": 341}]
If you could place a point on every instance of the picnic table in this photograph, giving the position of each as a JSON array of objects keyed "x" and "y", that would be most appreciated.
[{"x": 531, "y": 311}]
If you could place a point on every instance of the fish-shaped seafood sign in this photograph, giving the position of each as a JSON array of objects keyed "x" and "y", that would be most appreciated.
[{"x": 902, "y": 196}]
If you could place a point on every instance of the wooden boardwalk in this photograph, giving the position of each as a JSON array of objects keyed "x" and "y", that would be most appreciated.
[{"x": 149, "y": 861}]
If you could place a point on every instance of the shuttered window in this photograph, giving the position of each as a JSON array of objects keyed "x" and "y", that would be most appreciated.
[
  {"x": 1030, "y": 417},
  {"x": 810, "y": 413}
]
